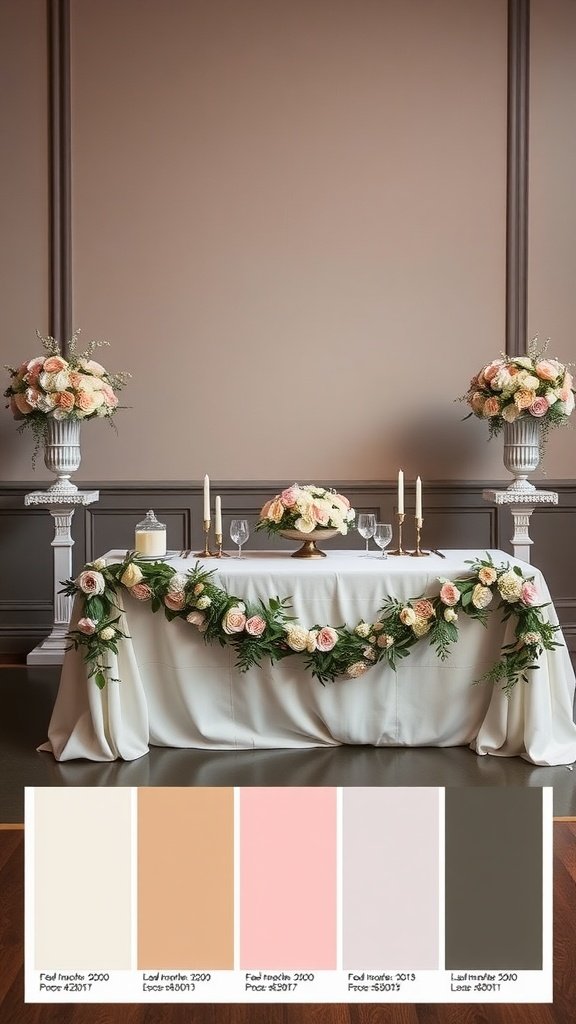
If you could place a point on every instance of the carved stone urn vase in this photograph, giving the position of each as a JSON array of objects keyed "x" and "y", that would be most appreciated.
[
  {"x": 62, "y": 452},
  {"x": 522, "y": 451}
]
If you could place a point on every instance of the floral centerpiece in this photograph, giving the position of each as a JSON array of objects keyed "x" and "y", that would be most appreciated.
[
  {"x": 307, "y": 512},
  {"x": 528, "y": 386},
  {"x": 52, "y": 387}
]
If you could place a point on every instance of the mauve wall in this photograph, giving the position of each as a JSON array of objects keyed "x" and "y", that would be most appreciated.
[
  {"x": 552, "y": 224},
  {"x": 289, "y": 219},
  {"x": 23, "y": 203}
]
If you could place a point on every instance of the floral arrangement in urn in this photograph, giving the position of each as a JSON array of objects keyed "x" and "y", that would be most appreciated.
[
  {"x": 515, "y": 387},
  {"x": 307, "y": 508},
  {"x": 52, "y": 387}
]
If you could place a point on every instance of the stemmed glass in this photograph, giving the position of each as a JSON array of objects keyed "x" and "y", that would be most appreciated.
[
  {"x": 239, "y": 533},
  {"x": 383, "y": 536},
  {"x": 366, "y": 526}
]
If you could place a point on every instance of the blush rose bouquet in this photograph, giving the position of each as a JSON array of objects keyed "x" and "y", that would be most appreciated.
[
  {"x": 307, "y": 508},
  {"x": 522, "y": 386},
  {"x": 60, "y": 387}
]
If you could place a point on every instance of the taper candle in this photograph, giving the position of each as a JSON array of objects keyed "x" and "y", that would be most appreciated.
[
  {"x": 218, "y": 517},
  {"x": 206, "y": 498},
  {"x": 400, "y": 492},
  {"x": 418, "y": 498}
]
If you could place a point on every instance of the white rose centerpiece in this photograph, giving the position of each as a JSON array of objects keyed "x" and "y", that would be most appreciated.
[{"x": 308, "y": 513}]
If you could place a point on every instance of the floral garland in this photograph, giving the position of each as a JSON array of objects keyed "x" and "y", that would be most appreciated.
[{"x": 267, "y": 631}]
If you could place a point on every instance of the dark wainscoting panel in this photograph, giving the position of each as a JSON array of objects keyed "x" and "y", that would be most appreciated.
[{"x": 456, "y": 517}]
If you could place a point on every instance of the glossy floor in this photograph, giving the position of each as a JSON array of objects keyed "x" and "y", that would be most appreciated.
[{"x": 27, "y": 696}]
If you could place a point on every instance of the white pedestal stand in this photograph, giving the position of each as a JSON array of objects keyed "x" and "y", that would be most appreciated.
[
  {"x": 521, "y": 503},
  {"x": 61, "y": 505}
]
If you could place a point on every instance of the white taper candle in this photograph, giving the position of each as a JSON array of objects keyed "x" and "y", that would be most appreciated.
[
  {"x": 206, "y": 499},
  {"x": 400, "y": 492},
  {"x": 418, "y": 498},
  {"x": 218, "y": 516}
]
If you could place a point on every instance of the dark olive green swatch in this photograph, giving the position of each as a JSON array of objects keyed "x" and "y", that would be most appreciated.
[{"x": 493, "y": 868}]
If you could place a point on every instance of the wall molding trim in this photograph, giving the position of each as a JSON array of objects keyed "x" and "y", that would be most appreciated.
[
  {"x": 59, "y": 158},
  {"x": 517, "y": 176}
]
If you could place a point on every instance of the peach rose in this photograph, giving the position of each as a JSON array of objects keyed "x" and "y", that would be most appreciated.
[
  {"x": 53, "y": 364},
  {"x": 548, "y": 369},
  {"x": 424, "y": 609},
  {"x": 477, "y": 402},
  {"x": 529, "y": 594},
  {"x": 327, "y": 639},
  {"x": 340, "y": 499},
  {"x": 539, "y": 407},
  {"x": 255, "y": 625},
  {"x": 487, "y": 575},
  {"x": 174, "y": 600},
  {"x": 407, "y": 616},
  {"x": 87, "y": 626},
  {"x": 234, "y": 621},
  {"x": 22, "y": 404},
  {"x": 265, "y": 509},
  {"x": 85, "y": 401},
  {"x": 141, "y": 591},
  {"x": 523, "y": 398},
  {"x": 490, "y": 371},
  {"x": 449, "y": 594},
  {"x": 65, "y": 401},
  {"x": 275, "y": 511},
  {"x": 491, "y": 407}
]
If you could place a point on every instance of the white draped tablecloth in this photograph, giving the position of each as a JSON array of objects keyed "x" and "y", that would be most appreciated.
[{"x": 177, "y": 691}]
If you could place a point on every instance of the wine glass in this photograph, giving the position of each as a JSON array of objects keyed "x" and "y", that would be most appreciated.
[
  {"x": 366, "y": 526},
  {"x": 239, "y": 533},
  {"x": 383, "y": 536}
]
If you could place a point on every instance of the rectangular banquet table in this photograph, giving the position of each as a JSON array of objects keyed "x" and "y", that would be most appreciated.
[{"x": 177, "y": 691}]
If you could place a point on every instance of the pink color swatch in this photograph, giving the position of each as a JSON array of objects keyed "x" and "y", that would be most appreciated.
[
  {"x": 390, "y": 871},
  {"x": 288, "y": 878}
]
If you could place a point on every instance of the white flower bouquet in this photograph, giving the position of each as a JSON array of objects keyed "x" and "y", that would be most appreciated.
[{"x": 307, "y": 508}]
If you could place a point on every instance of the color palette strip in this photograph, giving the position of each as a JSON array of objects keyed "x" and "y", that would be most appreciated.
[{"x": 259, "y": 894}]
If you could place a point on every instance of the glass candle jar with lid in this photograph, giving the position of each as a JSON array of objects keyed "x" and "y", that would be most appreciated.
[{"x": 150, "y": 537}]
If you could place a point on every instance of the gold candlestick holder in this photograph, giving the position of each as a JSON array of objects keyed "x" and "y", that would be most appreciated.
[
  {"x": 399, "y": 550},
  {"x": 206, "y": 553},
  {"x": 418, "y": 553},
  {"x": 219, "y": 552}
]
